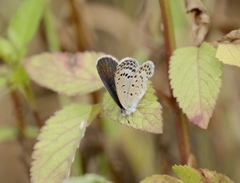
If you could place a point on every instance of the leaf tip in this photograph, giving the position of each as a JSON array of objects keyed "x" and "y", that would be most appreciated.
[{"x": 199, "y": 121}]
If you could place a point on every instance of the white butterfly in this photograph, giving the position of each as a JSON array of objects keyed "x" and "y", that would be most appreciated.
[{"x": 126, "y": 81}]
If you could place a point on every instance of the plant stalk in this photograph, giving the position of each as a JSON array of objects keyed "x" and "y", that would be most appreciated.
[
  {"x": 33, "y": 104},
  {"x": 170, "y": 45},
  {"x": 19, "y": 115},
  {"x": 81, "y": 34}
]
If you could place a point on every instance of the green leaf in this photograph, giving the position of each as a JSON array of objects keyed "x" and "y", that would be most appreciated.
[
  {"x": 12, "y": 133},
  {"x": 229, "y": 54},
  {"x": 7, "y": 51},
  {"x": 25, "y": 22},
  {"x": 31, "y": 131},
  {"x": 148, "y": 116},
  {"x": 191, "y": 175},
  {"x": 8, "y": 133},
  {"x": 4, "y": 78},
  {"x": 195, "y": 79},
  {"x": 65, "y": 73},
  {"x": 187, "y": 174},
  {"x": 3, "y": 82},
  {"x": 50, "y": 30},
  {"x": 57, "y": 142},
  {"x": 161, "y": 179},
  {"x": 88, "y": 178},
  {"x": 19, "y": 78},
  {"x": 95, "y": 111}
]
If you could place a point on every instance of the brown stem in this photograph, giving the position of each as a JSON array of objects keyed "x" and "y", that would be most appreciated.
[
  {"x": 182, "y": 136},
  {"x": 82, "y": 42},
  {"x": 163, "y": 97},
  {"x": 181, "y": 124},
  {"x": 19, "y": 115},
  {"x": 32, "y": 102},
  {"x": 37, "y": 118},
  {"x": 168, "y": 28}
]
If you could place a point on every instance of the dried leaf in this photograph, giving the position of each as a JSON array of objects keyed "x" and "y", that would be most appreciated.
[
  {"x": 200, "y": 22},
  {"x": 232, "y": 37}
]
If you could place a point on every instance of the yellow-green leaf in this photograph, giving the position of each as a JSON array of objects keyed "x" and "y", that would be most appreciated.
[
  {"x": 195, "y": 79},
  {"x": 51, "y": 33},
  {"x": 161, "y": 179},
  {"x": 7, "y": 51},
  {"x": 25, "y": 22},
  {"x": 3, "y": 81},
  {"x": 87, "y": 178},
  {"x": 57, "y": 142},
  {"x": 191, "y": 175},
  {"x": 229, "y": 54},
  {"x": 8, "y": 133},
  {"x": 147, "y": 117},
  {"x": 19, "y": 78},
  {"x": 96, "y": 109},
  {"x": 65, "y": 73}
]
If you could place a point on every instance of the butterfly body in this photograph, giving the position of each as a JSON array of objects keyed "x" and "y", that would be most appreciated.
[{"x": 126, "y": 81}]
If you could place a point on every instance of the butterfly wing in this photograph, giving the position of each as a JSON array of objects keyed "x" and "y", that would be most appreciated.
[
  {"x": 131, "y": 82},
  {"x": 125, "y": 72},
  {"x": 138, "y": 86},
  {"x": 106, "y": 67}
]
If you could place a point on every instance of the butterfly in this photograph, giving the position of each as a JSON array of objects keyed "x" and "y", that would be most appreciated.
[{"x": 126, "y": 81}]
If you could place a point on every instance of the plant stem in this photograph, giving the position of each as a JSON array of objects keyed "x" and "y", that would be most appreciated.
[
  {"x": 32, "y": 102},
  {"x": 81, "y": 34},
  {"x": 37, "y": 118},
  {"x": 19, "y": 115},
  {"x": 168, "y": 28},
  {"x": 182, "y": 136},
  {"x": 181, "y": 123}
]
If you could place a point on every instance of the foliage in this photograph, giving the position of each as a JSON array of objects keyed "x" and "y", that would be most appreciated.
[
  {"x": 58, "y": 141},
  {"x": 147, "y": 117},
  {"x": 195, "y": 76},
  {"x": 88, "y": 178},
  {"x": 195, "y": 79},
  {"x": 65, "y": 73},
  {"x": 188, "y": 175}
]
